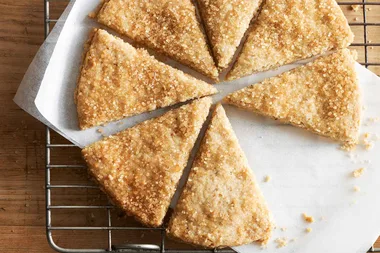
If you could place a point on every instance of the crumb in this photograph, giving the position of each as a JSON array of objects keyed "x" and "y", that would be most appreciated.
[
  {"x": 371, "y": 47},
  {"x": 356, "y": 188},
  {"x": 369, "y": 41},
  {"x": 369, "y": 145},
  {"x": 322, "y": 218},
  {"x": 307, "y": 218},
  {"x": 281, "y": 242},
  {"x": 92, "y": 14},
  {"x": 358, "y": 173},
  {"x": 293, "y": 240},
  {"x": 99, "y": 130},
  {"x": 12, "y": 231},
  {"x": 348, "y": 146},
  {"x": 355, "y": 7},
  {"x": 369, "y": 9},
  {"x": 119, "y": 123},
  {"x": 308, "y": 230},
  {"x": 284, "y": 229},
  {"x": 26, "y": 205},
  {"x": 356, "y": 19},
  {"x": 267, "y": 178}
]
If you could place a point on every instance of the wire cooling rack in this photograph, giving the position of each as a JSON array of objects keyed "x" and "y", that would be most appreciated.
[{"x": 130, "y": 236}]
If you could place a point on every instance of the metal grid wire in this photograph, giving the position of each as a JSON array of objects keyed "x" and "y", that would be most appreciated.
[{"x": 109, "y": 228}]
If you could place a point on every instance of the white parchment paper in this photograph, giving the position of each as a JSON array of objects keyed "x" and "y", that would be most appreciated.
[
  {"x": 309, "y": 173},
  {"x": 31, "y": 83}
]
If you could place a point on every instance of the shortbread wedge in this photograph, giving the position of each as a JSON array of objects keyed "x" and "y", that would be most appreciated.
[
  {"x": 139, "y": 168},
  {"x": 170, "y": 27},
  {"x": 322, "y": 97},
  {"x": 221, "y": 204},
  {"x": 225, "y": 23},
  {"x": 290, "y": 30},
  {"x": 118, "y": 80}
]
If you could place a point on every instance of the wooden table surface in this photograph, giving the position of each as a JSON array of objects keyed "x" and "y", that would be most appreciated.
[{"x": 22, "y": 196}]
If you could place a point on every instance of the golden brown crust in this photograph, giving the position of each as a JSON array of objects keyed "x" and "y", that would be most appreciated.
[
  {"x": 221, "y": 204},
  {"x": 226, "y": 21},
  {"x": 86, "y": 47},
  {"x": 290, "y": 30},
  {"x": 322, "y": 96},
  {"x": 118, "y": 80},
  {"x": 169, "y": 26},
  {"x": 140, "y": 167}
]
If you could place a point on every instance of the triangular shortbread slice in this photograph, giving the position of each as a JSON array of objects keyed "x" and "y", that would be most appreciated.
[
  {"x": 322, "y": 97},
  {"x": 118, "y": 80},
  {"x": 290, "y": 30},
  {"x": 169, "y": 26},
  {"x": 140, "y": 167},
  {"x": 225, "y": 23},
  {"x": 221, "y": 204}
]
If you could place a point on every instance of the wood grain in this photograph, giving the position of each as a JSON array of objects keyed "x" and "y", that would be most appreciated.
[{"x": 22, "y": 196}]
